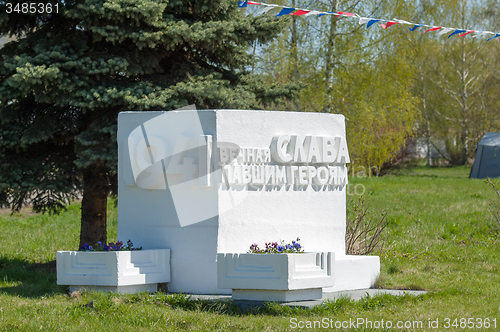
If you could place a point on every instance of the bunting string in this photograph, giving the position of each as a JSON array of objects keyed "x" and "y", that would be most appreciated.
[{"x": 385, "y": 24}]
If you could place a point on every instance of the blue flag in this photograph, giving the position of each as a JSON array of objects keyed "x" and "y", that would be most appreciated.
[
  {"x": 285, "y": 11},
  {"x": 455, "y": 32},
  {"x": 371, "y": 22},
  {"x": 415, "y": 27},
  {"x": 495, "y": 36},
  {"x": 323, "y": 14}
]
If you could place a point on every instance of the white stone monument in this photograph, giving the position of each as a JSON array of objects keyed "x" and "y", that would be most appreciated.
[{"x": 216, "y": 181}]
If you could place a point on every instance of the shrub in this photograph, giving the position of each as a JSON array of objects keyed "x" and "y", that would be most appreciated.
[{"x": 363, "y": 233}]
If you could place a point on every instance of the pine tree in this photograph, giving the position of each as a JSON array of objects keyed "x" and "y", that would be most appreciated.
[{"x": 69, "y": 73}]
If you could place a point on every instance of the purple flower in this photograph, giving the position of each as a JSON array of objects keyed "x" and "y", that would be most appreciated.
[
  {"x": 254, "y": 248},
  {"x": 277, "y": 247},
  {"x": 111, "y": 247}
]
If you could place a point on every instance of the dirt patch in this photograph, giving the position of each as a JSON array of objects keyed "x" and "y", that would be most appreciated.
[
  {"x": 24, "y": 211},
  {"x": 76, "y": 295}
]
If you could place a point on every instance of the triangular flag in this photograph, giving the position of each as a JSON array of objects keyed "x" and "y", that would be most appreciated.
[
  {"x": 482, "y": 33},
  {"x": 242, "y": 4},
  {"x": 301, "y": 12},
  {"x": 253, "y": 3},
  {"x": 465, "y": 34},
  {"x": 445, "y": 30},
  {"x": 363, "y": 20},
  {"x": 312, "y": 12},
  {"x": 433, "y": 29},
  {"x": 415, "y": 27},
  {"x": 456, "y": 32},
  {"x": 344, "y": 14},
  {"x": 324, "y": 13},
  {"x": 266, "y": 9},
  {"x": 495, "y": 36},
  {"x": 385, "y": 26},
  {"x": 285, "y": 11},
  {"x": 401, "y": 21},
  {"x": 371, "y": 22}
]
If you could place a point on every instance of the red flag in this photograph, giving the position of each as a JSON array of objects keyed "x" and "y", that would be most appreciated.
[
  {"x": 433, "y": 29},
  {"x": 464, "y": 34},
  {"x": 301, "y": 12},
  {"x": 385, "y": 26},
  {"x": 252, "y": 3},
  {"x": 344, "y": 13}
]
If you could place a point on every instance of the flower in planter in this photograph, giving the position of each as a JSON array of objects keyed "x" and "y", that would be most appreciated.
[
  {"x": 275, "y": 248},
  {"x": 118, "y": 246}
]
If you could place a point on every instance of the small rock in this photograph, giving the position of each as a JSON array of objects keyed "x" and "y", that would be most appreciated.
[{"x": 90, "y": 304}]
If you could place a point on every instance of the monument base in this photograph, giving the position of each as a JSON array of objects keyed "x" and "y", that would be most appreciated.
[
  {"x": 277, "y": 295},
  {"x": 130, "y": 289},
  {"x": 354, "y": 272}
]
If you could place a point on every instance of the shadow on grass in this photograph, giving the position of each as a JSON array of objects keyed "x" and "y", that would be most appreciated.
[
  {"x": 28, "y": 279},
  {"x": 238, "y": 308}
]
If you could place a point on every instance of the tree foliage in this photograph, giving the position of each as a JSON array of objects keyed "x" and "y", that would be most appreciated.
[
  {"x": 68, "y": 74},
  {"x": 392, "y": 84},
  {"x": 459, "y": 79},
  {"x": 345, "y": 68}
]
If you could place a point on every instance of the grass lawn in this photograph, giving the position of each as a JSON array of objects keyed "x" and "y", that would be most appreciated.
[{"x": 438, "y": 240}]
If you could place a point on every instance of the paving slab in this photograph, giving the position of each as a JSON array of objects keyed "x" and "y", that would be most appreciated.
[{"x": 353, "y": 294}]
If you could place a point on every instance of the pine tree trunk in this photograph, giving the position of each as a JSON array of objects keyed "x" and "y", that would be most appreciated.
[{"x": 95, "y": 198}]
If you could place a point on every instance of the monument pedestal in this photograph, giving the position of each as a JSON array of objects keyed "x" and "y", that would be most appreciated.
[
  {"x": 202, "y": 183},
  {"x": 277, "y": 295},
  {"x": 354, "y": 272}
]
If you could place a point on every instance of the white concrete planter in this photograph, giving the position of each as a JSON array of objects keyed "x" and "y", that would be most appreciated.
[
  {"x": 276, "y": 277},
  {"x": 120, "y": 271}
]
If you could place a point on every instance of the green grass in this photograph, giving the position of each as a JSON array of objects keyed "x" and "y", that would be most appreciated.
[{"x": 438, "y": 240}]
